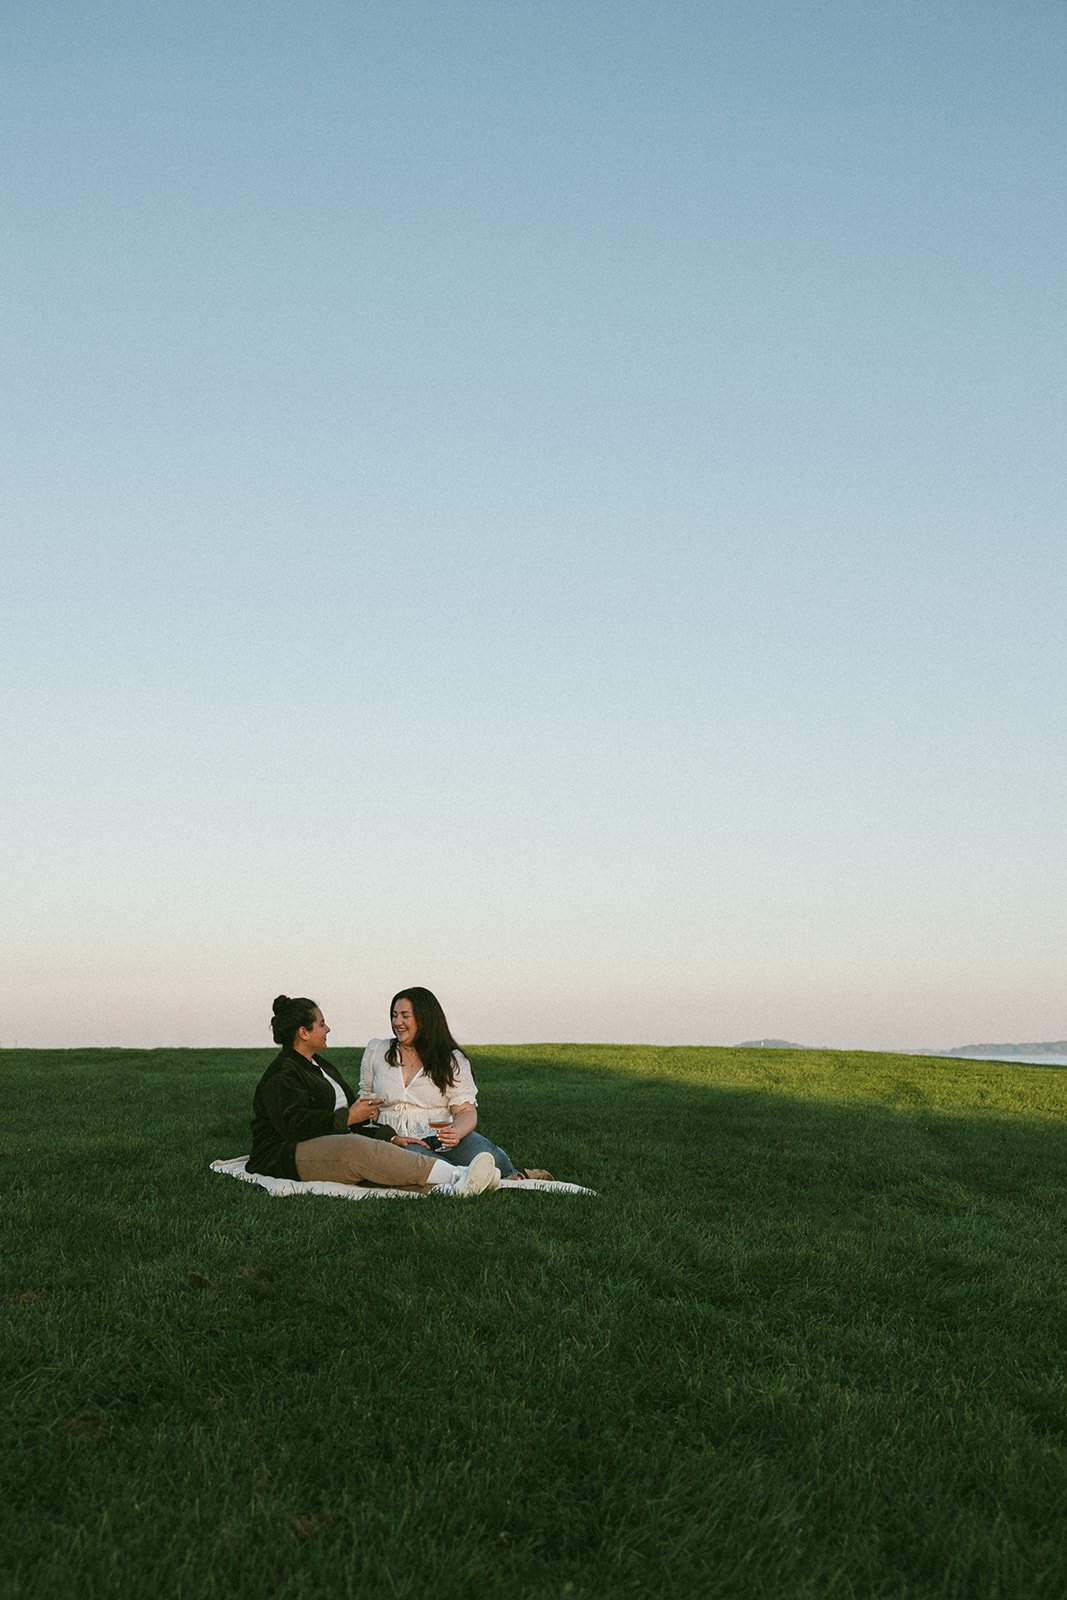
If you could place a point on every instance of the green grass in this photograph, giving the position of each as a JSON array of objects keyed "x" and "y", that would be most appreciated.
[{"x": 807, "y": 1341}]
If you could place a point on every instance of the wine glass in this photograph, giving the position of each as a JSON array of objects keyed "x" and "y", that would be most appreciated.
[{"x": 438, "y": 1121}]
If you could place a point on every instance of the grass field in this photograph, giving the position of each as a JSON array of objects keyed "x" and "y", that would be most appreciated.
[{"x": 807, "y": 1341}]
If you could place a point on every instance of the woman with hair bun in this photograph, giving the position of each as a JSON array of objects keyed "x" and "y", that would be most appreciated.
[
  {"x": 304, "y": 1115},
  {"x": 421, "y": 1076}
]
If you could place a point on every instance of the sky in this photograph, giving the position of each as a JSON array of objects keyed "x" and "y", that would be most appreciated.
[{"x": 562, "y": 503}]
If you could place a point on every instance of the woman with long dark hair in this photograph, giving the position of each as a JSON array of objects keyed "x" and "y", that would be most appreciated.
[
  {"x": 304, "y": 1117},
  {"x": 421, "y": 1077}
]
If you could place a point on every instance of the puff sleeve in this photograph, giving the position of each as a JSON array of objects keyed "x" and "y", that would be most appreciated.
[{"x": 463, "y": 1091}]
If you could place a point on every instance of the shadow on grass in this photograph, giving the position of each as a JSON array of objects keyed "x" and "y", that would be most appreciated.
[
  {"x": 804, "y": 1344},
  {"x": 732, "y": 1123},
  {"x": 831, "y": 1119}
]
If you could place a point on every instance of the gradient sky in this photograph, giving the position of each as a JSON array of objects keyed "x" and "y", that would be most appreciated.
[{"x": 559, "y": 502}]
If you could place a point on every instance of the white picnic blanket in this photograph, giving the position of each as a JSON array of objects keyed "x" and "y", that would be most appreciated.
[{"x": 235, "y": 1168}]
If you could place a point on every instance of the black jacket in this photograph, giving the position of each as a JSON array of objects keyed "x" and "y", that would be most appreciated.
[{"x": 293, "y": 1102}]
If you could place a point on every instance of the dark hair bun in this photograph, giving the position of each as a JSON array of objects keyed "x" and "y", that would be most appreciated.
[{"x": 289, "y": 1015}]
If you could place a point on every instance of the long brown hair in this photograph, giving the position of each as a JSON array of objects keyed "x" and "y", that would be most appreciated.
[{"x": 433, "y": 1037}]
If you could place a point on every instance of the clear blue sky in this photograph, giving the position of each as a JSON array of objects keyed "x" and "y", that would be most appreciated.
[{"x": 560, "y": 502}]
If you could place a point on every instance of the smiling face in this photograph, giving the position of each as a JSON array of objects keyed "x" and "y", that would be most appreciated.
[
  {"x": 404, "y": 1025},
  {"x": 313, "y": 1039}
]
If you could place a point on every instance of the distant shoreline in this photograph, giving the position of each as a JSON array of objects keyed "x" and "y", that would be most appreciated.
[
  {"x": 1039, "y": 1058},
  {"x": 1010, "y": 1052}
]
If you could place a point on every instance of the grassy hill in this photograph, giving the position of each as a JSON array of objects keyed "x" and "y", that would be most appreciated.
[{"x": 806, "y": 1342}]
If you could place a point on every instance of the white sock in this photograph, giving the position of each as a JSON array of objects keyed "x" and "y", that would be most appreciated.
[{"x": 442, "y": 1174}]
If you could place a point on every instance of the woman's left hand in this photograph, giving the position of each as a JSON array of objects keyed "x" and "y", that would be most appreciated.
[{"x": 448, "y": 1138}]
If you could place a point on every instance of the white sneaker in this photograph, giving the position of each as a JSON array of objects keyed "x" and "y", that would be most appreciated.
[{"x": 475, "y": 1179}]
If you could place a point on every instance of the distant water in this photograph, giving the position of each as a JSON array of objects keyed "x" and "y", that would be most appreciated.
[{"x": 1032, "y": 1061}]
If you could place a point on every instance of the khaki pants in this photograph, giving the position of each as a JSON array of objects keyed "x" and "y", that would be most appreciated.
[{"x": 347, "y": 1158}]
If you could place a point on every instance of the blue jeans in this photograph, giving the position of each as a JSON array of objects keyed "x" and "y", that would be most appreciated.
[{"x": 463, "y": 1153}]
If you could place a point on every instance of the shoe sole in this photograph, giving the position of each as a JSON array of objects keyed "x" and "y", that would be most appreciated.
[{"x": 481, "y": 1175}]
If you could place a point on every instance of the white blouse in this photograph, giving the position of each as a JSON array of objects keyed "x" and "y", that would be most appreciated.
[{"x": 407, "y": 1107}]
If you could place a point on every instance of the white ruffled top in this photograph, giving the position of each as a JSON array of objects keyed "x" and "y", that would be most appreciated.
[{"x": 408, "y": 1107}]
